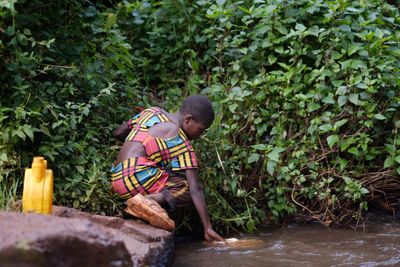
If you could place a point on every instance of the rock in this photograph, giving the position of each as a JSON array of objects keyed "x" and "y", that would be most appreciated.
[
  {"x": 40, "y": 240},
  {"x": 157, "y": 245},
  {"x": 74, "y": 238}
]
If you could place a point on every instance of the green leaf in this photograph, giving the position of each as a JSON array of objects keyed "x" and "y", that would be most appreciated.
[
  {"x": 273, "y": 155},
  {"x": 253, "y": 158},
  {"x": 313, "y": 106},
  {"x": 337, "y": 83},
  {"x": 353, "y": 48},
  {"x": 342, "y": 100},
  {"x": 354, "y": 151},
  {"x": 80, "y": 169},
  {"x": 20, "y": 134},
  {"x": 345, "y": 143},
  {"x": 257, "y": 120},
  {"x": 269, "y": 9},
  {"x": 369, "y": 123},
  {"x": 259, "y": 147},
  {"x": 279, "y": 49},
  {"x": 339, "y": 124},
  {"x": 8, "y": 4},
  {"x": 282, "y": 29},
  {"x": 347, "y": 180},
  {"x": 345, "y": 28},
  {"x": 332, "y": 140},
  {"x": 271, "y": 59},
  {"x": 221, "y": 2},
  {"x": 3, "y": 157},
  {"x": 300, "y": 27},
  {"x": 389, "y": 162},
  {"x": 233, "y": 107},
  {"x": 343, "y": 164},
  {"x": 111, "y": 20},
  {"x": 271, "y": 166},
  {"x": 397, "y": 159},
  {"x": 28, "y": 131},
  {"x": 364, "y": 190},
  {"x": 353, "y": 98},
  {"x": 379, "y": 117},
  {"x": 76, "y": 203},
  {"x": 314, "y": 30},
  {"x": 275, "y": 213},
  {"x": 325, "y": 127},
  {"x": 328, "y": 100},
  {"x": 27, "y": 32},
  {"x": 233, "y": 184},
  {"x": 250, "y": 225}
]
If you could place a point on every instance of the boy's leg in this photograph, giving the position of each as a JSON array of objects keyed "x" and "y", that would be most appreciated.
[
  {"x": 158, "y": 197},
  {"x": 150, "y": 211},
  {"x": 176, "y": 193}
]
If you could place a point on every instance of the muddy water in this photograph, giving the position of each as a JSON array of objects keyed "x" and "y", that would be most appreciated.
[{"x": 300, "y": 245}]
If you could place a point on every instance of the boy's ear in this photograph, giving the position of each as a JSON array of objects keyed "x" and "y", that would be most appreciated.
[{"x": 187, "y": 118}]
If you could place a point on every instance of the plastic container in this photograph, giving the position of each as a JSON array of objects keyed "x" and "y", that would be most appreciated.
[{"x": 38, "y": 188}]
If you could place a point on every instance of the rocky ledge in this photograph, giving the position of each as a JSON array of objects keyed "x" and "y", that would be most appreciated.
[{"x": 73, "y": 238}]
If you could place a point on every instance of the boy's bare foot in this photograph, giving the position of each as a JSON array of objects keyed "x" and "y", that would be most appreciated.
[{"x": 150, "y": 211}]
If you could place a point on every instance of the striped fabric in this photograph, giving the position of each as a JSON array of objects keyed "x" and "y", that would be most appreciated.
[
  {"x": 148, "y": 174},
  {"x": 176, "y": 192}
]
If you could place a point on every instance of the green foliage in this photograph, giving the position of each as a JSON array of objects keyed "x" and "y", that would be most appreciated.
[
  {"x": 306, "y": 96},
  {"x": 305, "y": 92},
  {"x": 56, "y": 82}
]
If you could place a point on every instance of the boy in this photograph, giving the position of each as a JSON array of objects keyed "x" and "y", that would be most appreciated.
[{"x": 156, "y": 148}]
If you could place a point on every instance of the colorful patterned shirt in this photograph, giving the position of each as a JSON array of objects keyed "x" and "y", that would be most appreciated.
[{"x": 148, "y": 174}]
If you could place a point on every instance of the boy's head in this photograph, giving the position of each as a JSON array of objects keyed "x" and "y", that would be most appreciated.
[{"x": 198, "y": 115}]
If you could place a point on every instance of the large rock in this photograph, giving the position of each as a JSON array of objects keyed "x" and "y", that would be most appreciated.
[
  {"x": 73, "y": 238},
  {"x": 147, "y": 245}
]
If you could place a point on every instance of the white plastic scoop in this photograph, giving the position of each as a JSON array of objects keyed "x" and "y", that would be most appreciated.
[{"x": 237, "y": 243}]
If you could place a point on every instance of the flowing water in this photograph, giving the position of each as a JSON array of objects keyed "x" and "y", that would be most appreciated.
[{"x": 300, "y": 245}]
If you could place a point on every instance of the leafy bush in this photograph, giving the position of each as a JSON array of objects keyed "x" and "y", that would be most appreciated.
[
  {"x": 306, "y": 93},
  {"x": 57, "y": 84}
]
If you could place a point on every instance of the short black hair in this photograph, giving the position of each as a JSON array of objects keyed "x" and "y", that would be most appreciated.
[{"x": 200, "y": 107}]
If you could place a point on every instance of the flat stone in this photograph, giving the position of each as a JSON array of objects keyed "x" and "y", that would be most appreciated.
[
  {"x": 73, "y": 238},
  {"x": 157, "y": 245},
  {"x": 39, "y": 240}
]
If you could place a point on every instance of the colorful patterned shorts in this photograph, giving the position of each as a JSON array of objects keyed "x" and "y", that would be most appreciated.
[
  {"x": 136, "y": 175},
  {"x": 176, "y": 192}
]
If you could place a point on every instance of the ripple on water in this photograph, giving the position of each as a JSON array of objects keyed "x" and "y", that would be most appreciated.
[
  {"x": 217, "y": 249},
  {"x": 394, "y": 261},
  {"x": 346, "y": 258},
  {"x": 389, "y": 235},
  {"x": 237, "y": 252},
  {"x": 278, "y": 245}
]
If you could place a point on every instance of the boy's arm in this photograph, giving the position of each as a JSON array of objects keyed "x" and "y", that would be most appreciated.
[
  {"x": 122, "y": 131},
  {"x": 196, "y": 192}
]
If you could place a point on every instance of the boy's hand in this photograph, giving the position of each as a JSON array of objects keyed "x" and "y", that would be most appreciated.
[
  {"x": 211, "y": 235},
  {"x": 122, "y": 131}
]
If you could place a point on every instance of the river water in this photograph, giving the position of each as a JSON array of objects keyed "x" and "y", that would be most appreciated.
[{"x": 300, "y": 245}]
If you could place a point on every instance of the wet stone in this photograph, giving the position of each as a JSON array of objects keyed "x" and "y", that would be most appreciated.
[{"x": 74, "y": 238}]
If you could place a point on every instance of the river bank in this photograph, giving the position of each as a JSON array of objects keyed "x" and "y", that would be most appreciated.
[{"x": 73, "y": 238}]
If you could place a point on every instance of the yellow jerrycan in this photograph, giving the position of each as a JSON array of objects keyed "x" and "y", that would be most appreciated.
[{"x": 38, "y": 188}]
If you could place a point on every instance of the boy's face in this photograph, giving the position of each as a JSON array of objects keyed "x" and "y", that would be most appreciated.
[{"x": 192, "y": 128}]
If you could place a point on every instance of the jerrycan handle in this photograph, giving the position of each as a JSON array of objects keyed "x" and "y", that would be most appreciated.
[{"x": 39, "y": 166}]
